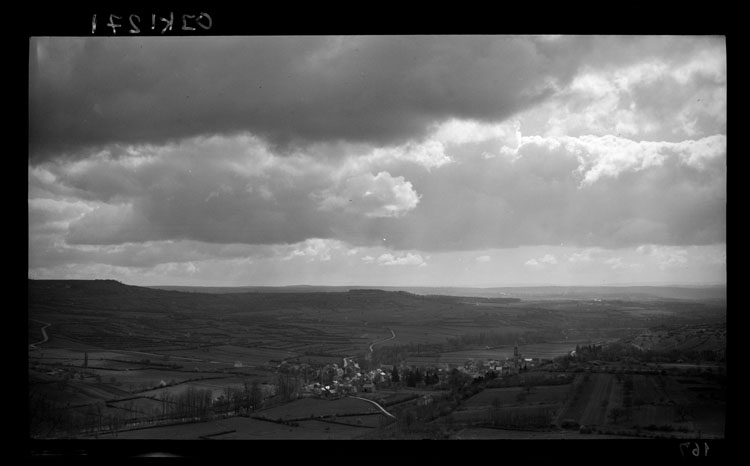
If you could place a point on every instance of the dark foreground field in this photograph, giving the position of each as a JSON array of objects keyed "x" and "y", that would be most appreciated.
[{"x": 107, "y": 360}]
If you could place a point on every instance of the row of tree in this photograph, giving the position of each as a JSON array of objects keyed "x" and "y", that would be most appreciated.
[
  {"x": 48, "y": 418},
  {"x": 520, "y": 418},
  {"x": 414, "y": 376},
  {"x": 397, "y": 354},
  {"x": 622, "y": 352}
]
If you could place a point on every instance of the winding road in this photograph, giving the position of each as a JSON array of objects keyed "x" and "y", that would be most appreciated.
[
  {"x": 376, "y": 404},
  {"x": 386, "y": 339},
  {"x": 393, "y": 335},
  {"x": 44, "y": 334}
]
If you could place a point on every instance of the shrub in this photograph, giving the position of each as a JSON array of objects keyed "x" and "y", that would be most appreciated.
[{"x": 569, "y": 424}]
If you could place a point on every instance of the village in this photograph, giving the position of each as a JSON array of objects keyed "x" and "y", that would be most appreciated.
[{"x": 334, "y": 380}]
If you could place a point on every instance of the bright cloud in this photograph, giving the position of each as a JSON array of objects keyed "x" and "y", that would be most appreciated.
[
  {"x": 465, "y": 131},
  {"x": 314, "y": 249},
  {"x": 662, "y": 98},
  {"x": 284, "y": 159},
  {"x": 547, "y": 259},
  {"x": 666, "y": 256},
  {"x": 429, "y": 154},
  {"x": 584, "y": 256},
  {"x": 616, "y": 263},
  {"x": 380, "y": 195},
  {"x": 402, "y": 259},
  {"x": 609, "y": 156}
]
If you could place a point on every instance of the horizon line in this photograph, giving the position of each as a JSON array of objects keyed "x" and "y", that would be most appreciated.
[{"x": 514, "y": 285}]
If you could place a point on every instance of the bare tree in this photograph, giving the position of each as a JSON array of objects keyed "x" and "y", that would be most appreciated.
[
  {"x": 615, "y": 414},
  {"x": 683, "y": 411},
  {"x": 256, "y": 395}
]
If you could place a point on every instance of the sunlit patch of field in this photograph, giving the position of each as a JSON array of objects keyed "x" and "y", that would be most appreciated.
[
  {"x": 590, "y": 405},
  {"x": 316, "y": 407},
  {"x": 509, "y": 396},
  {"x": 483, "y": 433},
  {"x": 536, "y": 350}
]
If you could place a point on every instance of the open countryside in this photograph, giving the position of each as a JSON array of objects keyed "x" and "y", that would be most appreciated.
[{"x": 108, "y": 360}]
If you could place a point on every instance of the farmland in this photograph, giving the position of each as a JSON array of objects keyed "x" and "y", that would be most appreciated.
[
  {"x": 131, "y": 362},
  {"x": 589, "y": 407},
  {"x": 538, "y": 350},
  {"x": 241, "y": 428}
]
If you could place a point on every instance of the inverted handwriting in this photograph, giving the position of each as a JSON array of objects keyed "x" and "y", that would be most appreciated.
[
  {"x": 112, "y": 23},
  {"x": 190, "y": 22},
  {"x": 169, "y": 22},
  {"x": 134, "y": 29},
  {"x": 694, "y": 451}
]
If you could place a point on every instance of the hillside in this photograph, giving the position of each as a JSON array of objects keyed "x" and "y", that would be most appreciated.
[
  {"x": 103, "y": 351},
  {"x": 713, "y": 292}
]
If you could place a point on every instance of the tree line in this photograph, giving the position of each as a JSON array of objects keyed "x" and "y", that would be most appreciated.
[
  {"x": 49, "y": 418},
  {"x": 621, "y": 351},
  {"x": 397, "y": 354}
]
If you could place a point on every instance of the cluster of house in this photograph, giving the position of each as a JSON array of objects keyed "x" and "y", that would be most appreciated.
[
  {"x": 349, "y": 379},
  {"x": 346, "y": 379},
  {"x": 507, "y": 366}
]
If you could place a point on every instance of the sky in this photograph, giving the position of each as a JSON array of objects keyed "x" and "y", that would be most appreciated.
[{"x": 484, "y": 160}]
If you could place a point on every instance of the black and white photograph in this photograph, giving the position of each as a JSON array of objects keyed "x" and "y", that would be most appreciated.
[{"x": 498, "y": 237}]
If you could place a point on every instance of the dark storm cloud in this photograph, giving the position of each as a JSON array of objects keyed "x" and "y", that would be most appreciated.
[
  {"x": 452, "y": 185},
  {"x": 87, "y": 93},
  {"x": 588, "y": 191},
  {"x": 217, "y": 190}
]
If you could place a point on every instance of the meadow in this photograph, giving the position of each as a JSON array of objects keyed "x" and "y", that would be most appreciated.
[
  {"x": 243, "y": 428},
  {"x": 114, "y": 352}
]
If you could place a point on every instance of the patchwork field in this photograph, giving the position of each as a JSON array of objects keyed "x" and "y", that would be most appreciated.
[
  {"x": 590, "y": 401},
  {"x": 484, "y": 433},
  {"x": 139, "y": 344},
  {"x": 306, "y": 408},
  {"x": 242, "y": 428},
  {"x": 536, "y": 350},
  {"x": 670, "y": 403},
  {"x": 549, "y": 394},
  {"x": 256, "y": 428},
  {"x": 230, "y": 354}
]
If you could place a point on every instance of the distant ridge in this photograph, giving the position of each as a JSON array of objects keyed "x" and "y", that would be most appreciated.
[
  {"x": 706, "y": 292},
  {"x": 698, "y": 292}
]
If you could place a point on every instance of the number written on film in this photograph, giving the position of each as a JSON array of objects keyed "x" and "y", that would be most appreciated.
[
  {"x": 133, "y": 23},
  {"x": 695, "y": 451}
]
